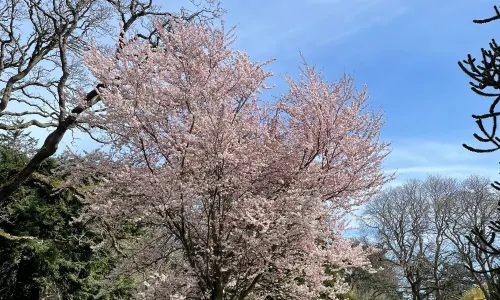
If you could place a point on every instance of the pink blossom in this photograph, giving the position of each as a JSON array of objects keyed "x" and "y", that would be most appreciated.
[{"x": 254, "y": 194}]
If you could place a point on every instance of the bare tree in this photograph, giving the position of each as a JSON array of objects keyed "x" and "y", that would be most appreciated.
[
  {"x": 473, "y": 206},
  {"x": 42, "y": 80},
  {"x": 423, "y": 226},
  {"x": 400, "y": 217}
]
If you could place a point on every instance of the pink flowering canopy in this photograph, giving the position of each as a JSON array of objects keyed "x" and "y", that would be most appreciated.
[{"x": 253, "y": 193}]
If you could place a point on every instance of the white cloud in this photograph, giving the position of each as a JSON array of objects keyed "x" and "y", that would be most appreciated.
[
  {"x": 462, "y": 170},
  {"x": 419, "y": 158}
]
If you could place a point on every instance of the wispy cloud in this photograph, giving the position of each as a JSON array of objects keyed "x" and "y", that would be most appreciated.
[
  {"x": 407, "y": 53},
  {"x": 457, "y": 171},
  {"x": 430, "y": 152},
  {"x": 416, "y": 158}
]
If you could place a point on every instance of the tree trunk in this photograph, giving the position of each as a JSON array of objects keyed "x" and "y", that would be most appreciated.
[
  {"x": 48, "y": 149},
  {"x": 217, "y": 291},
  {"x": 25, "y": 286}
]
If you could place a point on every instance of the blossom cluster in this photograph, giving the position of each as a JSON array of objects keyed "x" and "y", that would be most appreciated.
[{"x": 255, "y": 193}]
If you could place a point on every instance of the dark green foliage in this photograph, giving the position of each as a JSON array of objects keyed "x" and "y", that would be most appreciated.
[{"x": 42, "y": 253}]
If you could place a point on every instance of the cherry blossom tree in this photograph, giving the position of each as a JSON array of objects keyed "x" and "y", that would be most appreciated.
[
  {"x": 253, "y": 195},
  {"x": 41, "y": 72}
]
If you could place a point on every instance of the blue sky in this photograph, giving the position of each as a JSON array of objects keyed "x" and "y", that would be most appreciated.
[{"x": 405, "y": 51}]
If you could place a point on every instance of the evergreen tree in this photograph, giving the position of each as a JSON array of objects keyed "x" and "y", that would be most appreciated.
[
  {"x": 42, "y": 252},
  {"x": 485, "y": 82}
]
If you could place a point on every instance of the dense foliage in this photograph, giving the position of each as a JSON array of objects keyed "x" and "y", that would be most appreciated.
[
  {"x": 251, "y": 194},
  {"x": 43, "y": 253},
  {"x": 202, "y": 188}
]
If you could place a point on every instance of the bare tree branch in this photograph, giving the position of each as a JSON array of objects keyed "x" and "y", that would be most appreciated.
[
  {"x": 45, "y": 62},
  {"x": 26, "y": 125}
]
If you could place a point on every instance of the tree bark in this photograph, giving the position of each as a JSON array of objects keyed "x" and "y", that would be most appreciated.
[{"x": 48, "y": 149}]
